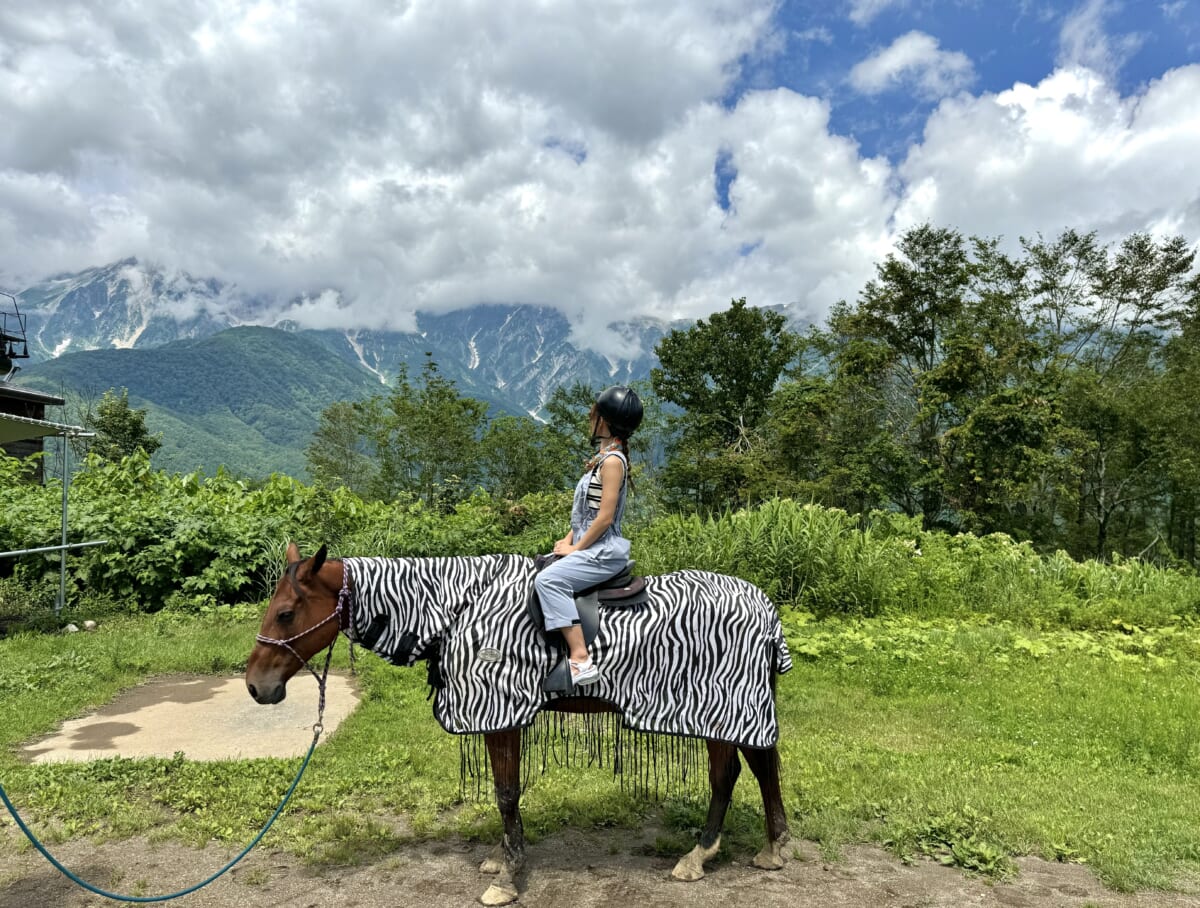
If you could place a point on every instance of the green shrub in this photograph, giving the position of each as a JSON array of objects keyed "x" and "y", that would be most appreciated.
[
  {"x": 801, "y": 554},
  {"x": 191, "y": 542},
  {"x": 27, "y": 603}
]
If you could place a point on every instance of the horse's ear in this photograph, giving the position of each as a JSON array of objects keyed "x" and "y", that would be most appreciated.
[
  {"x": 318, "y": 559},
  {"x": 293, "y": 553}
]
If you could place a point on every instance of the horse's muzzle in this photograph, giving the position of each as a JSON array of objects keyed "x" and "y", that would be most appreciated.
[{"x": 269, "y": 694}]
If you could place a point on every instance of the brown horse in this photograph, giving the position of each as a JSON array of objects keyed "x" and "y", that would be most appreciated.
[{"x": 312, "y": 602}]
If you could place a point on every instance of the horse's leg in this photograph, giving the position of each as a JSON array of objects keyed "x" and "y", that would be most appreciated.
[
  {"x": 723, "y": 770},
  {"x": 504, "y": 751},
  {"x": 764, "y": 763}
]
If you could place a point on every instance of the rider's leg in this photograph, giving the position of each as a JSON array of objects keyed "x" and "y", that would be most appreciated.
[
  {"x": 556, "y": 588},
  {"x": 577, "y": 649}
]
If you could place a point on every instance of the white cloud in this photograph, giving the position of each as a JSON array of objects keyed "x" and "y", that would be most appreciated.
[
  {"x": 914, "y": 59},
  {"x": 863, "y": 11},
  {"x": 1084, "y": 41},
  {"x": 432, "y": 154},
  {"x": 820, "y": 34},
  {"x": 370, "y": 160},
  {"x": 1068, "y": 152}
]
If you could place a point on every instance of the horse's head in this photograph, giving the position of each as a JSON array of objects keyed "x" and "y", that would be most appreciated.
[{"x": 299, "y": 623}]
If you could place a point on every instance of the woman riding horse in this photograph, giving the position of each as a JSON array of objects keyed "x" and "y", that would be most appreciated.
[
  {"x": 469, "y": 616},
  {"x": 593, "y": 549}
]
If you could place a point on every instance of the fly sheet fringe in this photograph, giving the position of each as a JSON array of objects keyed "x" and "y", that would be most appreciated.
[{"x": 649, "y": 765}]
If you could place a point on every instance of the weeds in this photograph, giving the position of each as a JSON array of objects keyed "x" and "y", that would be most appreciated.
[{"x": 825, "y": 561}]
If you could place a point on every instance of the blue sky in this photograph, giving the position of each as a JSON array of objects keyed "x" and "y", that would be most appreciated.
[
  {"x": 1004, "y": 42},
  {"x": 359, "y": 161}
]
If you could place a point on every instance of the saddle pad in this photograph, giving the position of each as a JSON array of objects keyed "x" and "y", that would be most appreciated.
[{"x": 619, "y": 596}]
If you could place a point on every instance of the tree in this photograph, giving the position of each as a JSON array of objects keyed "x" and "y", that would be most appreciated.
[
  {"x": 1119, "y": 328},
  {"x": 1046, "y": 395},
  {"x": 343, "y": 451},
  {"x": 1001, "y": 421},
  {"x": 521, "y": 456},
  {"x": 828, "y": 428},
  {"x": 907, "y": 315},
  {"x": 120, "y": 429},
  {"x": 428, "y": 439},
  {"x": 421, "y": 440},
  {"x": 721, "y": 374},
  {"x": 1174, "y": 397}
]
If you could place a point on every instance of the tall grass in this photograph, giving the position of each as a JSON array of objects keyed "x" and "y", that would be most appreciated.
[{"x": 833, "y": 563}]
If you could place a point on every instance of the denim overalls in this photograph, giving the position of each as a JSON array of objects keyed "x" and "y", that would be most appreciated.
[{"x": 558, "y": 583}]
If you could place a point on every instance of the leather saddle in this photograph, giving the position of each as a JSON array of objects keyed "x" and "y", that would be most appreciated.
[{"x": 621, "y": 591}]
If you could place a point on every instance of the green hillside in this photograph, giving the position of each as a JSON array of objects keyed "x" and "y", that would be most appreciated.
[{"x": 247, "y": 398}]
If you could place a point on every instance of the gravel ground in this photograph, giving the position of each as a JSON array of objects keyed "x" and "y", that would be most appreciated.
[{"x": 572, "y": 870}]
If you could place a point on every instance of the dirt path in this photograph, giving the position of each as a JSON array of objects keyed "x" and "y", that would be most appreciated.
[{"x": 570, "y": 870}]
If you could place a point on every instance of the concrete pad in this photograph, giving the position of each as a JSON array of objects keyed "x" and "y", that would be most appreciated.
[{"x": 204, "y": 716}]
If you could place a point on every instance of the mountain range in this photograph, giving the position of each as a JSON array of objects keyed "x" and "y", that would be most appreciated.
[{"x": 226, "y": 382}]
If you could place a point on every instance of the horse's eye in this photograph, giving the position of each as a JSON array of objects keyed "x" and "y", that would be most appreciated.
[{"x": 285, "y": 617}]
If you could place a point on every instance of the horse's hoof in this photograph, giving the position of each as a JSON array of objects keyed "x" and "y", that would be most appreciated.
[
  {"x": 494, "y": 862},
  {"x": 687, "y": 871},
  {"x": 691, "y": 866},
  {"x": 771, "y": 857},
  {"x": 498, "y": 895}
]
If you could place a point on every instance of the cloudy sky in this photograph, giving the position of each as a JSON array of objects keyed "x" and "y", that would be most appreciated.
[{"x": 608, "y": 158}]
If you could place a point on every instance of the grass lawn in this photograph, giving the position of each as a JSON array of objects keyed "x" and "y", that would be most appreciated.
[{"x": 968, "y": 741}]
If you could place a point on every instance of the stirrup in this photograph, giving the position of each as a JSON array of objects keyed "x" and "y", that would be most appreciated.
[{"x": 584, "y": 673}]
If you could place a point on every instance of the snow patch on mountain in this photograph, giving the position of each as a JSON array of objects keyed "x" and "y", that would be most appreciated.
[
  {"x": 473, "y": 362},
  {"x": 514, "y": 356},
  {"x": 360, "y": 355}
]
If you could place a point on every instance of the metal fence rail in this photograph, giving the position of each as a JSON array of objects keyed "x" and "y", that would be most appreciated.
[
  {"x": 53, "y": 548},
  {"x": 62, "y": 558}
]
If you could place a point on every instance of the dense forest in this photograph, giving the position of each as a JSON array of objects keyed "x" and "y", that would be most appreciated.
[
  {"x": 1047, "y": 394},
  {"x": 240, "y": 398}
]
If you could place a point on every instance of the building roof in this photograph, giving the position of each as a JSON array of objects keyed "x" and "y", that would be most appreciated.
[
  {"x": 19, "y": 428},
  {"x": 16, "y": 392}
]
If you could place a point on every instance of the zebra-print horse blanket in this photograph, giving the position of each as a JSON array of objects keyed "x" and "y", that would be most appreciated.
[{"x": 696, "y": 660}]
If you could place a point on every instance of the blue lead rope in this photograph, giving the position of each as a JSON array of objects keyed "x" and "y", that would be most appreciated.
[
  {"x": 317, "y": 730},
  {"x": 174, "y": 895}
]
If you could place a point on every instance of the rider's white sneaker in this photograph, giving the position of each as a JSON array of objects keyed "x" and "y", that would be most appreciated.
[{"x": 584, "y": 673}]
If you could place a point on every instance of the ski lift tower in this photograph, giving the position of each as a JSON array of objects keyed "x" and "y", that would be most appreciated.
[
  {"x": 12, "y": 332},
  {"x": 23, "y": 426},
  {"x": 23, "y": 422}
]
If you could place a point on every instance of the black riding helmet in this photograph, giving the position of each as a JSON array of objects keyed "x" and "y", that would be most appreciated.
[{"x": 621, "y": 409}]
